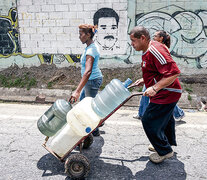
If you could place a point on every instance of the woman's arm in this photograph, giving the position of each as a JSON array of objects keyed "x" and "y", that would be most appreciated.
[{"x": 84, "y": 79}]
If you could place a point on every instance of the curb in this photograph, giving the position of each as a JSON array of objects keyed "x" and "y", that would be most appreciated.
[
  {"x": 33, "y": 95},
  {"x": 49, "y": 96}
]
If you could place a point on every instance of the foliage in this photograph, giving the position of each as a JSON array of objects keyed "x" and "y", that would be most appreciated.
[
  {"x": 189, "y": 90},
  {"x": 189, "y": 97},
  {"x": 49, "y": 85},
  {"x": 19, "y": 82}
]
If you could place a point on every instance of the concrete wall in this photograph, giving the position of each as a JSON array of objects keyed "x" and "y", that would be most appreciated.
[
  {"x": 46, "y": 31},
  {"x": 185, "y": 21}
]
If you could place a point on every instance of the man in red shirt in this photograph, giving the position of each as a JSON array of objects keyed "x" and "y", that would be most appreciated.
[{"x": 160, "y": 74}]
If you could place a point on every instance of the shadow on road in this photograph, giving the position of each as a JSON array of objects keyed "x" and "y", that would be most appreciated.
[
  {"x": 177, "y": 123},
  {"x": 50, "y": 165},
  {"x": 171, "y": 169},
  {"x": 115, "y": 169},
  {"x": 101, "y": 169}
]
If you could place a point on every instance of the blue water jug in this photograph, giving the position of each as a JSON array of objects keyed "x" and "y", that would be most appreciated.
[
  {"x": 110, "y": 97},
  {"x": 54, "y": 118}
]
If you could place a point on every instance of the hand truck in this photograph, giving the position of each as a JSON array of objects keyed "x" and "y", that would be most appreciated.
[{"x": 77, "y": 165}]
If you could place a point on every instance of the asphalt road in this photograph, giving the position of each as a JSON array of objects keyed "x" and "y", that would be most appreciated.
[{"x": 120, "y": 153}]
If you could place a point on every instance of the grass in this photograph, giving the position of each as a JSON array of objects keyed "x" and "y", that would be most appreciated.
[
  {"x": 140, "y": 89},
  {"x": 73, "y": 88},
  {"x": 189, "y": 90},
  {"x": 19, "y": 82},
  {"x": 49, "y": 85},
  {"x": 189, "y": 97}
]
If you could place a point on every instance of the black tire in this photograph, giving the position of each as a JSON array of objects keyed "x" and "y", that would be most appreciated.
[
  {"x": 88, "y": 141},
  {"x": 77, "y": 166}
]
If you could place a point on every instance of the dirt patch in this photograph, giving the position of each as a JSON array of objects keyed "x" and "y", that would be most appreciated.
[{"x": 49, "y": 76}]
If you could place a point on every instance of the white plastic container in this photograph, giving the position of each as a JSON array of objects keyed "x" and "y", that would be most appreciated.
[
  {"x": 81, "y": 120},
  {"x": 82, "y": 117},
  {"x": 64, "y": 140}
]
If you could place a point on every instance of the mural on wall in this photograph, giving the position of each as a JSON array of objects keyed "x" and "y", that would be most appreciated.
[
  {"x": 58, "y": 58},
  {"x": 9, "y": 42},
  {"x": 188, "y": 31},
  {"x": 9, "y": 36},
  {"x": 111, "y": 36},
  {"x": 107, "y": 21}
]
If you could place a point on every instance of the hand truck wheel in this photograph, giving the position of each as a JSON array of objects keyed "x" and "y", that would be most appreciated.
[{"x": 77, "y": 166}]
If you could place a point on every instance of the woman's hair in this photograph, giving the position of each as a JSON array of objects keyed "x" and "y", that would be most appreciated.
[
  {"x": 166, "y": 37},
  {"x": 88, "y": 28}
]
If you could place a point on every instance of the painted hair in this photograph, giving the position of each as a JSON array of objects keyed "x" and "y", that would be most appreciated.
[
  {"x": 138, "y": 31},
  {"x": 166, "y": 37},
  {"x": 88, "y": 28},
  {"x": 105, "y": 12}
]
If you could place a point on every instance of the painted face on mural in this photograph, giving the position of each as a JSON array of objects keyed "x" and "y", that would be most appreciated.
[{"x": 107, "y": 32}]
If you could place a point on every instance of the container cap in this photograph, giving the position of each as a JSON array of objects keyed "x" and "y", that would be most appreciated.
[
  {"x": 127, "y": 82},
  {"x": 88, "y": 129}
]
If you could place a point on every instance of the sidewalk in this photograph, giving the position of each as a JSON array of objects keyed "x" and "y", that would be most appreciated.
[{"x": 51, "y": 95}]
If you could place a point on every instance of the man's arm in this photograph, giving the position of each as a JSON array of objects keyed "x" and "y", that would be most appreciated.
[{"x": 164, "y": 82}]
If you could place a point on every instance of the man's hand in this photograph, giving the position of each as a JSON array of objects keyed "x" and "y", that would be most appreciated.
[
  {"x": 138, "y": 82},
  {"x": 151, "y": 91}
]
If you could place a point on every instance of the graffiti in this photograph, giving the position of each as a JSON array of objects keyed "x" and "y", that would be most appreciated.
[
  {"x": 9, "y": 42},
  {"x": 9, "y": 36},
  {"x": 186, "y": 28},
  {"x": 107, "y": 21},
  {"x": 188, "y": 31},
  {"x": 59, "y": 58}
]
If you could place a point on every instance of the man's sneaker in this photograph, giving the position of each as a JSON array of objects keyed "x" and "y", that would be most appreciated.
[
  {"x": 151, "y": 148},
  {"x": 137, "y": 117},
  {"x": 156, "y": 158}
]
